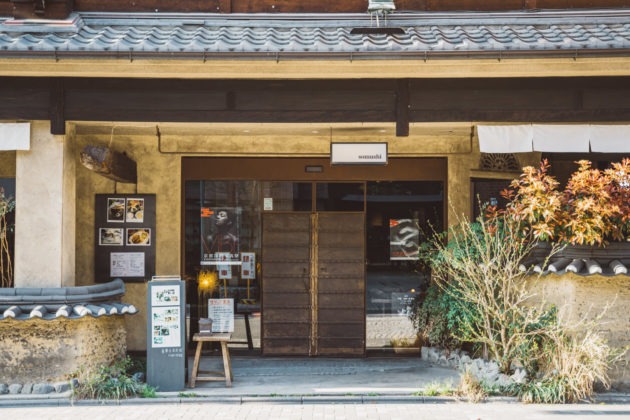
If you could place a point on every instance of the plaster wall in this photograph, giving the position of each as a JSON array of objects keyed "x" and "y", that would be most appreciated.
[
  {"x": 595, "y": 299},
  {"x": 44, "y": 220},
  {"x": 159, "y": 172},
  {"x": 7, "y": 164},
  {"x": 39, "y": 351}
]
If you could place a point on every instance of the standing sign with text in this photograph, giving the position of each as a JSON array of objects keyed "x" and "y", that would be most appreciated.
[{"x": 166, "y": 343}]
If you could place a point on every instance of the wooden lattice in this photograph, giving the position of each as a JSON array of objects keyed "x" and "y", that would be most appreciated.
[{"x": 499, "y": 162}]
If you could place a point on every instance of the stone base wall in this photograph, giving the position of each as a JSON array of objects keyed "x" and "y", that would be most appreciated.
[
  {"x": 47, "y": 351},
  {"x": 588, "y": 297}
]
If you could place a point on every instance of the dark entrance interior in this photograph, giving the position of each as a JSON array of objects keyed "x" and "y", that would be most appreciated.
[{"x": 335, "y": 251}]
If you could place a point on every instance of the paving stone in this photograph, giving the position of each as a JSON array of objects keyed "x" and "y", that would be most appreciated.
[
  {"x": 43, "y": 389},
  {"x": 62, "y": 387},
  {"x": 15, "y": 388}
]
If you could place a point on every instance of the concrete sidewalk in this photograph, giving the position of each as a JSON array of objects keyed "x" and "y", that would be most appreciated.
[
  {"x": 302, "y": 381},
  {"x": 256, "y": 376}
]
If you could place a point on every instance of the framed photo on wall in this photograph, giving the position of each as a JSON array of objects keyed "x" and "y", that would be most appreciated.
[{"x": 124, "y": 245}]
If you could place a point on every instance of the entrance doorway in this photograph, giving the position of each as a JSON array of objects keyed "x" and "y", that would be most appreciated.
[
  {"x": 313, "y": 284},
  {"x": 319, "y": 259}
]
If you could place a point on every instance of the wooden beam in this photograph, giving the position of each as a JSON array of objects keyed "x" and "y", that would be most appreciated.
[
  {"x": 57, "y": 107},
  {"x": 402, "y": 108},
  {"x": 225, "y": 6},
  {"x": 113, "y": 165}
]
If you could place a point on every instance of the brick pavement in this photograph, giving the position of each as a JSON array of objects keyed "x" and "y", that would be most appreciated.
[{"x": 282, "y": 411}]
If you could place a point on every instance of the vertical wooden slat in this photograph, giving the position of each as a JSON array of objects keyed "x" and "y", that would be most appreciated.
[
  {"x": 57, "y": 107},
  {"x": 225, "y": 6},
  {"x": 341, "y": 284},
  {"x": 286, "y": 255},
  {"x": 402, "y": 108}
]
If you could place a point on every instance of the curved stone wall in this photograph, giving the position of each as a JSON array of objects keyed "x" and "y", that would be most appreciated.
[
  {"x": 41, "y": 351},
  {"x": 589, "y": 297}
]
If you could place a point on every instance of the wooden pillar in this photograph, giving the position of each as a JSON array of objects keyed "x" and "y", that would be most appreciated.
[{"x": 402, "y": 108}]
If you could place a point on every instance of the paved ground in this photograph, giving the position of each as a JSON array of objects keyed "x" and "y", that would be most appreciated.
[
  {"x": 325, "y": 376},
  {"x": 299, "y": 388},
  {"x": 259, "y": 411}
]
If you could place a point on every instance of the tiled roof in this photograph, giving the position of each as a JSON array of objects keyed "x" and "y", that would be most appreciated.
[
  {"x": 580, "y": 266},
  {"x": 69, "y": 302},
  {"x": 278, "y": 36},
  {"x": 75, "y": 311}
]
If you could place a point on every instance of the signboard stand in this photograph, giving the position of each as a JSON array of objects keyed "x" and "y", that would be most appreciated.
[{"x": 166, "y": 333}]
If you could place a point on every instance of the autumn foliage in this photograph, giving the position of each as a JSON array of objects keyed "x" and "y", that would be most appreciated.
[{"x": 593, "y": 209}]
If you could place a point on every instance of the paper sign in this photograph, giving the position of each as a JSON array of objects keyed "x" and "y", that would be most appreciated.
[
  {"x": 126, "y": 264},
  {"x": 268, "y": 204},
  {"x": 221, "y": 311}
]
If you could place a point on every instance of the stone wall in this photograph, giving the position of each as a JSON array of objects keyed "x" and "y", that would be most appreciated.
[
  {"x": 589, "y": 297},
  {"x": 46, "y": 351}
]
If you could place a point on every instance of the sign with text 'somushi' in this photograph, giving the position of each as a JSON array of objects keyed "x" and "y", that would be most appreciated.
[{"x": 358, "y": 153}]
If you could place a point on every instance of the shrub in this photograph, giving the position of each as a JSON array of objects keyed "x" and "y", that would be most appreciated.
[
  {"x": 570, "y": 365},
  {"x": 479, "y": 268},
  {"x": 7, "y": 205},
  {"x": 110, "y": 382},
  {"x": 437, "y": 316},
  {"x": 593, "y": 209},
  {"x": 471, "y": 388}
]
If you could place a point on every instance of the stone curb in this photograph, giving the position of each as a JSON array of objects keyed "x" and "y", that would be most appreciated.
[{"x": 297, "y": 399}]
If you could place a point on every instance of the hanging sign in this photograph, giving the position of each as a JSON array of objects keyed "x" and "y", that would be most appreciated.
[{"x": 358, "y": 153}]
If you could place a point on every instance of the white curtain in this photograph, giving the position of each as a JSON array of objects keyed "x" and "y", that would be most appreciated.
[
  {"x": 554, "y": 138},
  {"x": 505, "y": 138},
  {"x": 15, "y": 136},
  {"x": 561, "y": 138},
  {"x": 610, "y": 138}
]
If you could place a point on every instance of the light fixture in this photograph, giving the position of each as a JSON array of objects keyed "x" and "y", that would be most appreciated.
[
  {"x": 313, "y": 169},
  {"x": 380, "y": 8}
]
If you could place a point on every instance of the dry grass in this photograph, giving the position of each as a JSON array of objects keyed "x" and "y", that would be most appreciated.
[{"x": 471, "y": 389}]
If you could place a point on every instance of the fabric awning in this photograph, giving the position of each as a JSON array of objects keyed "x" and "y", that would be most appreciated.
[
  {"x": 15, "y": 136},
  {"x": 554, "y": 138}
]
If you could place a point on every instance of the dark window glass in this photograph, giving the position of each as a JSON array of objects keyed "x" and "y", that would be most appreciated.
[{"x": 340, "y": 196}]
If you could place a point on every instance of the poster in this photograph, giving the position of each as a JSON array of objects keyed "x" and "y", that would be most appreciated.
[
  {"x": 110, "y": 236},
  {"x": 165, "y": 323},
  {"x": 126, "y": 264},
  {"x": 220, "y": 229},
  {"x": 115, "y": 210},
  {"x": 404, "y": 239},
  {"x": 224, "y": 269},
  {"x": 221, "y": 311},
  {"x": 248, "y": 265},
  {"x": 139, "y": 237},
  {"x": 165, "y": 295},
  {"x": 135, "y": 210}
]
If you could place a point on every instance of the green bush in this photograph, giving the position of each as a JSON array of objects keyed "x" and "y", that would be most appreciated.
[
  {"x": 439, "y": 318},
  {"x": 112, "y": 382}
]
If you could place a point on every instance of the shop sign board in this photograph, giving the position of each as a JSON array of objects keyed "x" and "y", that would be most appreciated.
[
  {"x": 358, "y": 153},
  {"x": 166, "y": 332}
]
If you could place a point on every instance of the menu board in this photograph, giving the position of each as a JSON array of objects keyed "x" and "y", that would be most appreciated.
[
  {"x": 124, "y": 237},
  {"x": 166, "y": 342},
  {"x": 221, "y": 311}
]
